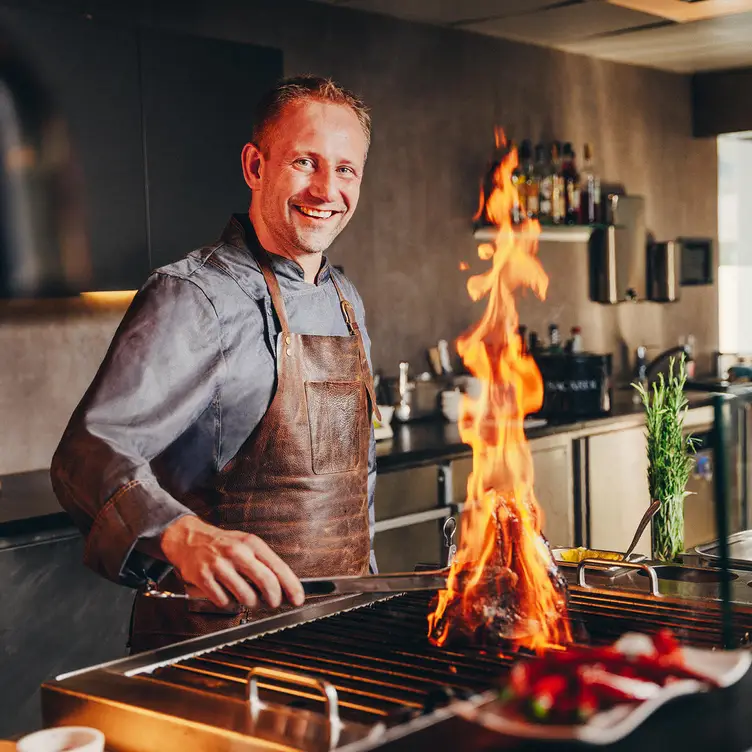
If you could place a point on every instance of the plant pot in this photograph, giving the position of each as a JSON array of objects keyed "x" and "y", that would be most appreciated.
[{"x": 667, "y": 530}]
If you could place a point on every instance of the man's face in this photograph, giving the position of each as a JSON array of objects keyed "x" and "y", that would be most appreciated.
[{"x": 307, "y": 186}]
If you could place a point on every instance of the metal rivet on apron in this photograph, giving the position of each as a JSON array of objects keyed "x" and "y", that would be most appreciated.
[
  {"x": 288, "y": 339},
  {"x": 289, "y": 351}
]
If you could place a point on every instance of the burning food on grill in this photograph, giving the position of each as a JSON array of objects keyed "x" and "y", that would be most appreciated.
[
  {"x": 571, "y": 686},
  {"x": 503, "y": 586}
]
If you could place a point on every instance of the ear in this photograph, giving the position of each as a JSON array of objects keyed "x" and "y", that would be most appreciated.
[{"x": 253, "y": 161}]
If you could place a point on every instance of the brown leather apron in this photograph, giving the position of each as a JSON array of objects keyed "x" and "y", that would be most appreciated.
[{"x": 299, "y": 481}]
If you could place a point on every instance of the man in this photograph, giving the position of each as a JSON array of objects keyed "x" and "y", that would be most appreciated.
[{"x": 227, "y": 434}]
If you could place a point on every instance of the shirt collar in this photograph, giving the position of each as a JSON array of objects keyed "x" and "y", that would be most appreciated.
[{"x": 239, "y": 232}]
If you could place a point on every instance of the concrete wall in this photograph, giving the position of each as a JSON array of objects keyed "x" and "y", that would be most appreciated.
[{"x": 435, "y": 95}]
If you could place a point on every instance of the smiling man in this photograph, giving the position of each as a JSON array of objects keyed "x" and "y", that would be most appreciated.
[{"x": 225, "y": 446}]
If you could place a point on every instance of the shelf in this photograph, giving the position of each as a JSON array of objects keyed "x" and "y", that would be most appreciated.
[{"x": 548, "y": 233}]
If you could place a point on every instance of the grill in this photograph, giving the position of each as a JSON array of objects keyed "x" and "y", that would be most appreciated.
[{"x": 372, "y": 650}]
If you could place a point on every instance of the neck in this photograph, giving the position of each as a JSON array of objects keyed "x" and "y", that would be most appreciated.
[{"x": 310, "y": 263}]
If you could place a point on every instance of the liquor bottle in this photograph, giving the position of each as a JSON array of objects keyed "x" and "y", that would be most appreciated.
[
  {"x": 558, "y": 200},
  {"x": 545, "y": 179},
  {"x": 519, "y": 211},
  {"x": 571, "y": 186},
  {"x": 590, "y": 193},
  {"x": 531, "y": 182}
]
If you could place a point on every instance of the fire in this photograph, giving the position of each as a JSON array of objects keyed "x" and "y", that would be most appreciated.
[{"x": 503, "y": 584}]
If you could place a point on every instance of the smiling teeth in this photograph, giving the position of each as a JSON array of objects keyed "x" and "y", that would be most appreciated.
[{"x": 315, "y": 212}]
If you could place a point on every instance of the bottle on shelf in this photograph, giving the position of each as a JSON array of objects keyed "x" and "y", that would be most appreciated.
[
  {"x": 545, "y": 178},
  {"x": 576, "y": 333},
  {"x": 571, "y": 185},
  {"x": 518, "y": 181},
  {"x": 554, "y": 339},
  {"x": 558, "y": 198},
  {"x": 530, "y": 181},
  {"x": 590, "y": 190}
]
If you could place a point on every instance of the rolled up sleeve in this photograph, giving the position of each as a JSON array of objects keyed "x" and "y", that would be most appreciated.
[{"x": 162, "y": 371}]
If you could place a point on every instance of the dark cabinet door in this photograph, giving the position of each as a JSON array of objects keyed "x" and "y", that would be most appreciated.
[
  {"x": 92, "y": 69},
  {"x": 198, "y": 98}
]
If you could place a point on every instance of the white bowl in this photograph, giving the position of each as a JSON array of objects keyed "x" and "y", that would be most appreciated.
[
  {"x": 387, "y": 413},
  {"x": 63, "y": 738},
  {"x": 450, "y": 405}
]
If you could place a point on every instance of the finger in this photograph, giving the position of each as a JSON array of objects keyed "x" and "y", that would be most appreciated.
[
  {"x": 229, "y": 577},
  {"x": 263, "y": 578},
  {"x": 286, "y": 577},
  {"x": 211, "y": 589}
]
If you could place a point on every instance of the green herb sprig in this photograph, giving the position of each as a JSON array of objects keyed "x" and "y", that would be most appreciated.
[{"x": 669, "y": 457}]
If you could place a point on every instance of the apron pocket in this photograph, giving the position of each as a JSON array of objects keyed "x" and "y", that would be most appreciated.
[{"x": 334, "y": 415}]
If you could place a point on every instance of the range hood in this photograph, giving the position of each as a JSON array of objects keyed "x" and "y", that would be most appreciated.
[{"x": 43, "y": 247}]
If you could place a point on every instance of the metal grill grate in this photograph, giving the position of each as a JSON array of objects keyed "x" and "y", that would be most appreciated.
[{"x": 384, "y": 668}]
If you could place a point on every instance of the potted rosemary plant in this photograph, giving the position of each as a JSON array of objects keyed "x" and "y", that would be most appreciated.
[{"x": 669, "y": 458}]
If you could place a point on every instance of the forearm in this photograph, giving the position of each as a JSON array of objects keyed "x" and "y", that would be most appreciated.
[{"x": 121, "y": 519}]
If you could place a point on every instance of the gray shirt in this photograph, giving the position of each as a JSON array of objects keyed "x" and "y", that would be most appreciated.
[{"x": 188, "y": 376}]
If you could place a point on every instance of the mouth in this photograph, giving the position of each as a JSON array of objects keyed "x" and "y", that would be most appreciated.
[{"x": 311, "y": 213}]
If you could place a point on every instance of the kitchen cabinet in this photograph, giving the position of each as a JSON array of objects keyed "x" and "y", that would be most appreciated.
[
  {"x": 92, "y": 71},
  {"x": 618, "y": 492},
  {"x": 56, "y": 617},
  {"x": 198, "y": 107},
  {"x": 553, "y": 485}
]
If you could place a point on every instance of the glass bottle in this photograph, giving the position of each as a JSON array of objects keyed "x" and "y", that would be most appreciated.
[
  {"x": 544, "y": 175},
  {"x": 590, "y": 190},
  {"x": 571, "y": 185},
  {"x": 558, "y": 199},
  {"x": 519, "y": 210},
  {"x": 531, "y": 181}
]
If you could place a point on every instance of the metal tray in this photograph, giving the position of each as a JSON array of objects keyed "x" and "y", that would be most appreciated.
[
  {"x": 615, "y": 569},
  {"x": 739, "y": 550}
]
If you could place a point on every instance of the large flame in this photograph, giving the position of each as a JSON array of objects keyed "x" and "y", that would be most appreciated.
[{"x": 503, "y": 584}]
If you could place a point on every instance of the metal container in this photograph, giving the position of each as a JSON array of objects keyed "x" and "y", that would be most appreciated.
[
  {"x": 739, "y": 550},
  {"x": 664, "y": 270},
  {"x": 618, "y": 253}
]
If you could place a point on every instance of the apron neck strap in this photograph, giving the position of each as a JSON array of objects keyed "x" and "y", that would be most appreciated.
[
  {"x": 271, "y": 282},
  {"x": 348, "y": 312}
]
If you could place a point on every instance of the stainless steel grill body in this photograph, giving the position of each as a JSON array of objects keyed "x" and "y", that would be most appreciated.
[{"x": 373, "y": 650}]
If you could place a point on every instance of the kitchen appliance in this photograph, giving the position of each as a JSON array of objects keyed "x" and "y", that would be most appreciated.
[
  {"x": 618, "y": 252},
  {"x": 345, "y": 673},
  {"x": 43, "y": 245},
  {"x": 575, "y": 386},
  {"x": 664, "y": 272}
]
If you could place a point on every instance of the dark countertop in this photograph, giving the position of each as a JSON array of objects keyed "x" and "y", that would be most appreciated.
[
  {"x": 30, "y": 513},
  {"x": 430, "y": 441}
]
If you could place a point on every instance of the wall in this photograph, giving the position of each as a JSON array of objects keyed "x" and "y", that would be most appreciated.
[{"x": 435, "y": 95}]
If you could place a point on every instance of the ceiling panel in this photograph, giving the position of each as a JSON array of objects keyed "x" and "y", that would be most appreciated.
[
  {"x": 685, "y": 48},
  {"x": 604, "y": 29},
  {"x": 564, "y": 24},
  {"x": 686, "y": 10},
  {"x": 448, "y": 11}
]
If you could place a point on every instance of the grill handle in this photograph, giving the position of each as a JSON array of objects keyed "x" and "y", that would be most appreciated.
[
  {"x": 328, "y": 690},
  {"x": 603, "y": 564}
]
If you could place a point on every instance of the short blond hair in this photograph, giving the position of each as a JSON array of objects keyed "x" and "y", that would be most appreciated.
[{"x": 301, "y": 88}]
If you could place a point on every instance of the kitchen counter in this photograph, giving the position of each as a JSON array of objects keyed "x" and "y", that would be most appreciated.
[
  {"x": 431, "y": 441},
  {"x": 30, "y": 513}
]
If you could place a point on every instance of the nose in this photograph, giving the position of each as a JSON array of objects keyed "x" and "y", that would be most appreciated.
[{"x": 323, "y": 185}]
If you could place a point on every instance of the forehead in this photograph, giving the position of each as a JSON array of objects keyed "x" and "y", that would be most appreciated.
[{"x": 332, "y": 130}]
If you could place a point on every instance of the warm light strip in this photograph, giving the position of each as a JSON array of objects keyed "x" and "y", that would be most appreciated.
[
  {"x": 683, "y": 12},
  {"x": 109, "y": 297}
]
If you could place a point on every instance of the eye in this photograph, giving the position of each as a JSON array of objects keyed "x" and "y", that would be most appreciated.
[
  {"x": 305, "y": 162},
  {"x": 346, "y": 170}
]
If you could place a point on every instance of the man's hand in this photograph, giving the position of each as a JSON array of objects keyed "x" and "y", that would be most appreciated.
[{"x": 219, "y": 562}]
